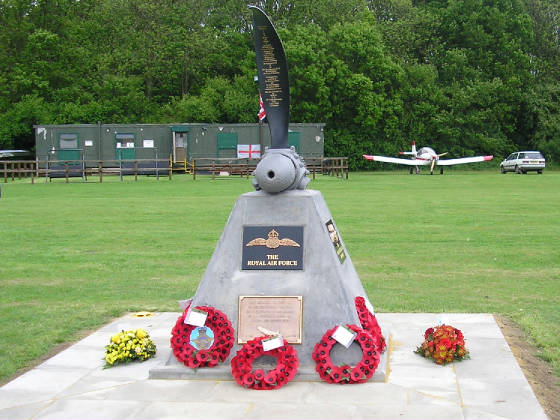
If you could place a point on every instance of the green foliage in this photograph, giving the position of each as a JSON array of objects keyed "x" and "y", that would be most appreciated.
[
  {"x": 464, "y": 76},
  {"x": 15, "y": 123}
]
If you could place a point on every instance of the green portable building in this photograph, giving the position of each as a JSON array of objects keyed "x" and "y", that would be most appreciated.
[{"x": 110, "y": 143}]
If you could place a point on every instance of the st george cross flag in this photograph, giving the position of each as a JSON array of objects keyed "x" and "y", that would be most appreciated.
[
  {"x": 251, "y": 151},
  {"x": 262, "y": 112}
]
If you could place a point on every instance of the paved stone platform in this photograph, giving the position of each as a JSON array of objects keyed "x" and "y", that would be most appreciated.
[{"x": 74, "y": 385}]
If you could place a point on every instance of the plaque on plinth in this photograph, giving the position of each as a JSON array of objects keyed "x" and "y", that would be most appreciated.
[
  {"x": 281, "y": 314},
  {"x": 272, "y": 248}
]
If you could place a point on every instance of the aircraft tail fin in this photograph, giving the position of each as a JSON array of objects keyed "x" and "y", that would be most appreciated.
[{"x": 412, "y": 152}]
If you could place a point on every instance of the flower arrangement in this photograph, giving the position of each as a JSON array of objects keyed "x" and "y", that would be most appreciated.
[
  {"x": 369, "y": 323},
  {"x": 128, "y": 346},
  {"x": 443, "y": 344},
  {"x": 202, "y": 346},
  {"x": 346, "y": 374},
  {"x": 284, "y": 371}
]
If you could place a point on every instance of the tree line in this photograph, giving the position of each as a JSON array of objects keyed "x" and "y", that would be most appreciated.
[{"x": 462, "y": 76}]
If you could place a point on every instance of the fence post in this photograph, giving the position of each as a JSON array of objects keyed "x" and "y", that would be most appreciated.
[
  {"x": 170, "y": 166},
  {"x": 32, "y": 172},
  {"x": 84, "y": 173},
  {"x": 100, "y": 169},
  {"x": 135, "y": 170},
  {"x": 194, "y": 169},
  {"x": 120, "y": 165},
  {"x": 157, "y": 166},
  {"x": 66, "y": 171},
  {"x": 5, "y": 172},
  {"x": 314, "y": 167}
]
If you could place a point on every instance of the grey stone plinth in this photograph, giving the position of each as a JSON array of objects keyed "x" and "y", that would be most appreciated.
[{"x": 328, "y": 287}]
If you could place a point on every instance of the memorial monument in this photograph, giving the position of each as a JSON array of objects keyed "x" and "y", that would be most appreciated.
[{"x": 280, "y": 264}]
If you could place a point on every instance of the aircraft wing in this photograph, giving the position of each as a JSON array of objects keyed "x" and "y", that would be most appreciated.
[
  {"x": 449, "y": 162},
  {"x": 410, "y": 162}
]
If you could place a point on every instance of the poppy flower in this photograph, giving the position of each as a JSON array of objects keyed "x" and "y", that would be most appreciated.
[
  {"x": 248, "y": 379},
  {"x": 270, "y": 378},
  {"x": 202, "y": 356},
  {"x": 356, "y": 375},
  {"x": 259, "y": 374},
  {"x": 337, "y": 377}
]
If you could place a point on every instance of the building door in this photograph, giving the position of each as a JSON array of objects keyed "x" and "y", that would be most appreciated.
[
  {"x": 180, "y": 142},
  {"x": 179, "y": 146},
  {"x": 124, "y": 146}
]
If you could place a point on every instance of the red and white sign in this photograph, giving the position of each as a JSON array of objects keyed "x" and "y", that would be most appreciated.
[{"x": 251, "y": 151}]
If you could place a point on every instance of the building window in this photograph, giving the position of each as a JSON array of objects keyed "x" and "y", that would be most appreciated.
[
  {"x": 68, "y": 141},
  {"x": 125, "y": 141}
]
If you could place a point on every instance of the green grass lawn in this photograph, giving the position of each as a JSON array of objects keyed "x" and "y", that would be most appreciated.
[{"x": 73, "y": 256}]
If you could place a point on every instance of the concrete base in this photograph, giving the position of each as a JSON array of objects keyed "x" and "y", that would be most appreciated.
[{"x": 74, "y": 385}]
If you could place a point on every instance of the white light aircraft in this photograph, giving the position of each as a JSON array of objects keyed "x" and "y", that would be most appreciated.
[{"x": 427, "y": 156}]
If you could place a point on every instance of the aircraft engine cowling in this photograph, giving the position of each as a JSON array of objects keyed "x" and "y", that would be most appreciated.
[{"x": 280, "y": 170}]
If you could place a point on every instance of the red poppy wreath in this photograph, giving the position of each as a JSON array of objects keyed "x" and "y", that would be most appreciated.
[
  {"x": 369, "y": 323},
  {"x": 346, "y": 374},
  {"x": 202, "y": 346},
  {"x": 284, "y": 371}
]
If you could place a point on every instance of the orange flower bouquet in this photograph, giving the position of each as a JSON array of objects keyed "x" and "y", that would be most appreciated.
[{"x": 443, "y": 344}]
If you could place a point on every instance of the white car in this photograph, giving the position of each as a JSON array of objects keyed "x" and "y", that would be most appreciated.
[{"x": 523, "y": 162}]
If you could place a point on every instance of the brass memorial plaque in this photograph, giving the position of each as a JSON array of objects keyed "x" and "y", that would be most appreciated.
[{"x": 275, "y": 313}]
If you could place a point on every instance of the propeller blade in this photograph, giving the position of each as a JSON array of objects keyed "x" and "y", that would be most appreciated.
[
  {"x": 442, "y": 154},
  {"x": 274, "y": 85}
]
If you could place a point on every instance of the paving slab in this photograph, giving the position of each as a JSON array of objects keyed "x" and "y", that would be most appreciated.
[{"x": 73, "y": 384}]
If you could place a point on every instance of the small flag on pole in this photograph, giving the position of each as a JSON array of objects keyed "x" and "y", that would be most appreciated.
[{"x": 262, "y": 112}]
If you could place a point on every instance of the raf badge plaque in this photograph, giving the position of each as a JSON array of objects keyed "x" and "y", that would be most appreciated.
[
  {"x": 282, "y": 314},
  {"x": 272, "y": 248}
]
